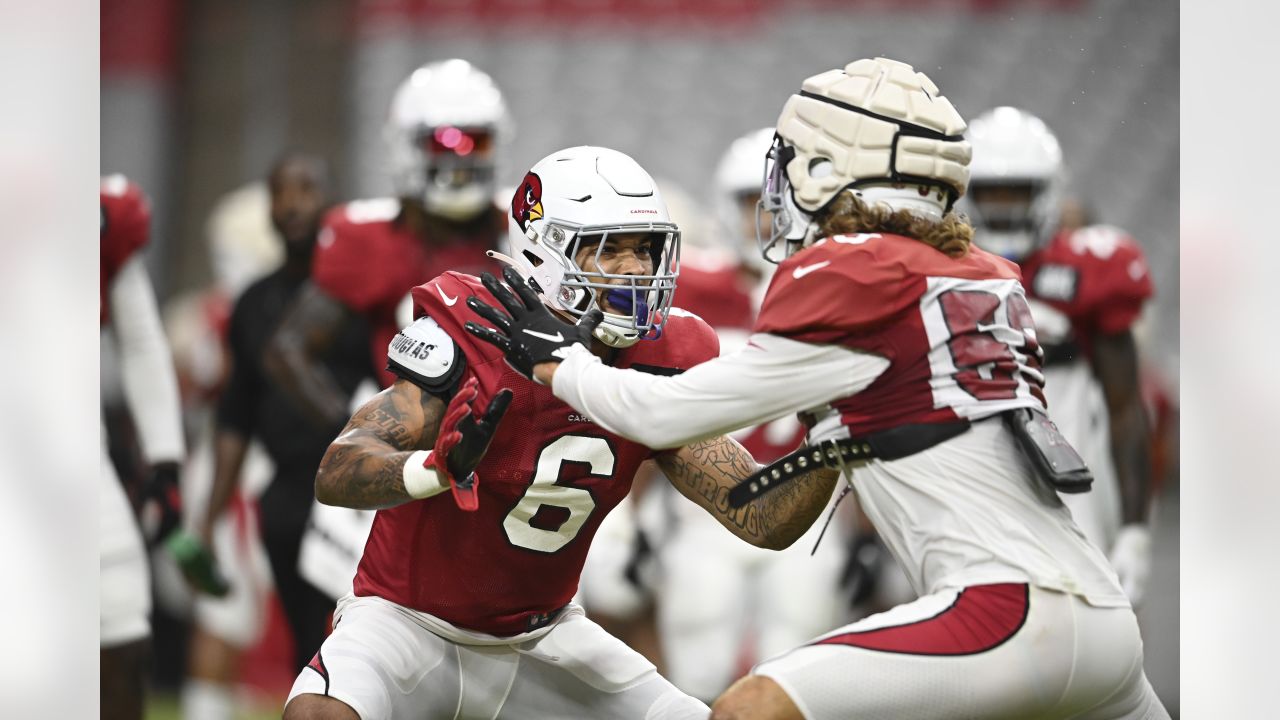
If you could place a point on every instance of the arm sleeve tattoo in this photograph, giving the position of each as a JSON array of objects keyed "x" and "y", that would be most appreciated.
[
  {"x": 364, "y": 467},
  {"x": 705, "y": 471}
]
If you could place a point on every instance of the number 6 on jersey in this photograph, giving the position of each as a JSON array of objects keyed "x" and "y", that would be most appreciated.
[{"x": 596, "y": 454}]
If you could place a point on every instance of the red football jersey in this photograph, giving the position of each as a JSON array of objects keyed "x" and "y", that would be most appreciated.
[
  {"x": 957, "y": 332},
  {"x": 549, "y": 478},
  {"x": 125, "y": 223},
  {"x": 369, "y": 261},
  {"x": 1096, "y": 276},
  {"x": 716, "y": 293}
]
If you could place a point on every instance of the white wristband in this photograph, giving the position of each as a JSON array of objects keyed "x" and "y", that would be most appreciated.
[{"x": 421, "y": 481}]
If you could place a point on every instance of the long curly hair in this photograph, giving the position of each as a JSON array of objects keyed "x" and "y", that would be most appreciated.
[{"x": 848, "y": 215}]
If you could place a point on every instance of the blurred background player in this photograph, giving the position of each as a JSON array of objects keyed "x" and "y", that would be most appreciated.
[
  {"x": 128, "y": 310},
  {"x": 242, "y": 248},
  {"x": 1087, "y": 287},
  {"x": 448, "y": 123},
  {"x": 254, "y": 407},
  {"x": 751, "y": 603}
]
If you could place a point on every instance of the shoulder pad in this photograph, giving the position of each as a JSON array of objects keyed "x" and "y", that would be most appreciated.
[{"x": 424, "y": 354}]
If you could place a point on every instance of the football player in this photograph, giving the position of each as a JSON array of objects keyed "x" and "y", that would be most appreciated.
[
  {"x": 915, "y": 353},
  {"x": 462, "y": 600},
  {"x": 128, "y": 309},
  {"x": 793, "y": 593},
  {"x": 1086, "y": 287},
  {"x": 447, "y": 125},
  {"x": 243, "y": 247}
]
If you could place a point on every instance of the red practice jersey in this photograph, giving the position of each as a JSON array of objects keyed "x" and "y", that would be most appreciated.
[
  {"x": 549, "y": 478},
  {"x": 716, "y": 293},
  {"x": 957, "y": 333},
  {"x": 1096, "y": 277},
  {"x": 369, "y": 260},
  {"x": 125, "y": 223}
]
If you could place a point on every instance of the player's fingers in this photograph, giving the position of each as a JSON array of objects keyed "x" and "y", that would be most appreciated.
[
  {"x": 497, "y": 408},
  {"x": 521, "y": 286},
  {"x": 460, "y": 405},
  {"x": 454, "y": 416},
  {"x": 499, "y": 319},
  {"x": 590, "y": 319},
  {"x": 504, "y": 296},
  {"x": 447, "y": 443},
  {"x": 490, "y": 336}
]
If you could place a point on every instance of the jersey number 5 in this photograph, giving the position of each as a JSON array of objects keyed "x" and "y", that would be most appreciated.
[{"x": 593, "y": 452}]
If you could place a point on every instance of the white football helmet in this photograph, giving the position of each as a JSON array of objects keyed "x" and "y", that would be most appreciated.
[
  {"x": 737, "y": 182},
  {"x": 877, "y": 128},
  {"x": 580, "y": 196},
  {"x": 447, "y": 127},
  {"x": 1017, "y": 181}
]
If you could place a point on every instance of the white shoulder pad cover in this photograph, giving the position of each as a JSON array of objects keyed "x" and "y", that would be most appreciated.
[{"x": 424, "y": 354}]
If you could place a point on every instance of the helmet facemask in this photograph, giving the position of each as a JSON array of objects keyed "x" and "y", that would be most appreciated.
[
  {"x": 635, "y": 306},
  {"x": 790, "y": 228},
  {"x": 455, "y": 170},
  {"x": 1012, "y": 215}
]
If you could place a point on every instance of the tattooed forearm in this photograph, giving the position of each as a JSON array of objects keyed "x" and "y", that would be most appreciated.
[
  {"x": 705, "y": 471},
  {"x": 364, "y": 467}
]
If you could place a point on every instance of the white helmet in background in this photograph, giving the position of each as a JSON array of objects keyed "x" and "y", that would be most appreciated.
[
  {"x": 878, "y": 128},
  {"x": 447, "y": 126},
  {"x": 737, "y": 192},
  {"x": 580, "y": 196},
  {"x": 1016, "y": 182}
]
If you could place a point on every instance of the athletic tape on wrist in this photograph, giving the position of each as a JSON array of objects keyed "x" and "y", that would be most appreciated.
[{"x": 421, "y": 481}]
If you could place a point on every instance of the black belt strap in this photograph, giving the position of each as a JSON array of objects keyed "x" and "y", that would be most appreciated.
[{"x": 890, "y": 444}]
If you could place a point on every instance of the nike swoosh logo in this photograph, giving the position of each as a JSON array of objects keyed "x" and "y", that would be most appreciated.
[
  {"x": 802, "y": 271},
  {"x": 447, "y": 300},
  {"x": 549, "y": 338}
]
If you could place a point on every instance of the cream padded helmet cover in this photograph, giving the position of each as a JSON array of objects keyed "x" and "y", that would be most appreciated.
[{"x": 860, "y": 146}]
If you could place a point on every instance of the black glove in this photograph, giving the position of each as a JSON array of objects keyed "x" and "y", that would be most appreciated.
[
  {"x": 161, "y": 503},
  {"x": 463, "y": 440},
  {"x": 862, "y": 569},
  {"x": 531, "y": 334}
]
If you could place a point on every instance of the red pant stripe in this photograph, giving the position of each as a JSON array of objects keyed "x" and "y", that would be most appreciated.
[{"x": 981, "y": 618}]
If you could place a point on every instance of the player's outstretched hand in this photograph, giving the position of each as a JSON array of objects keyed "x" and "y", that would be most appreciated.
[
  {"x": 528, "y": 333},
  {"x": 463, "y": 439}
]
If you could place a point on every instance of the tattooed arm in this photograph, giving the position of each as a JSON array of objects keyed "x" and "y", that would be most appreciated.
[
  {"x": 705, "y": 471},
  {"x": 364, "y": 467}
]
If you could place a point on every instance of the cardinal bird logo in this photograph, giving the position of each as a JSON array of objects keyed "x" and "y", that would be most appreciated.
[{"x": 526, "y": 206}]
